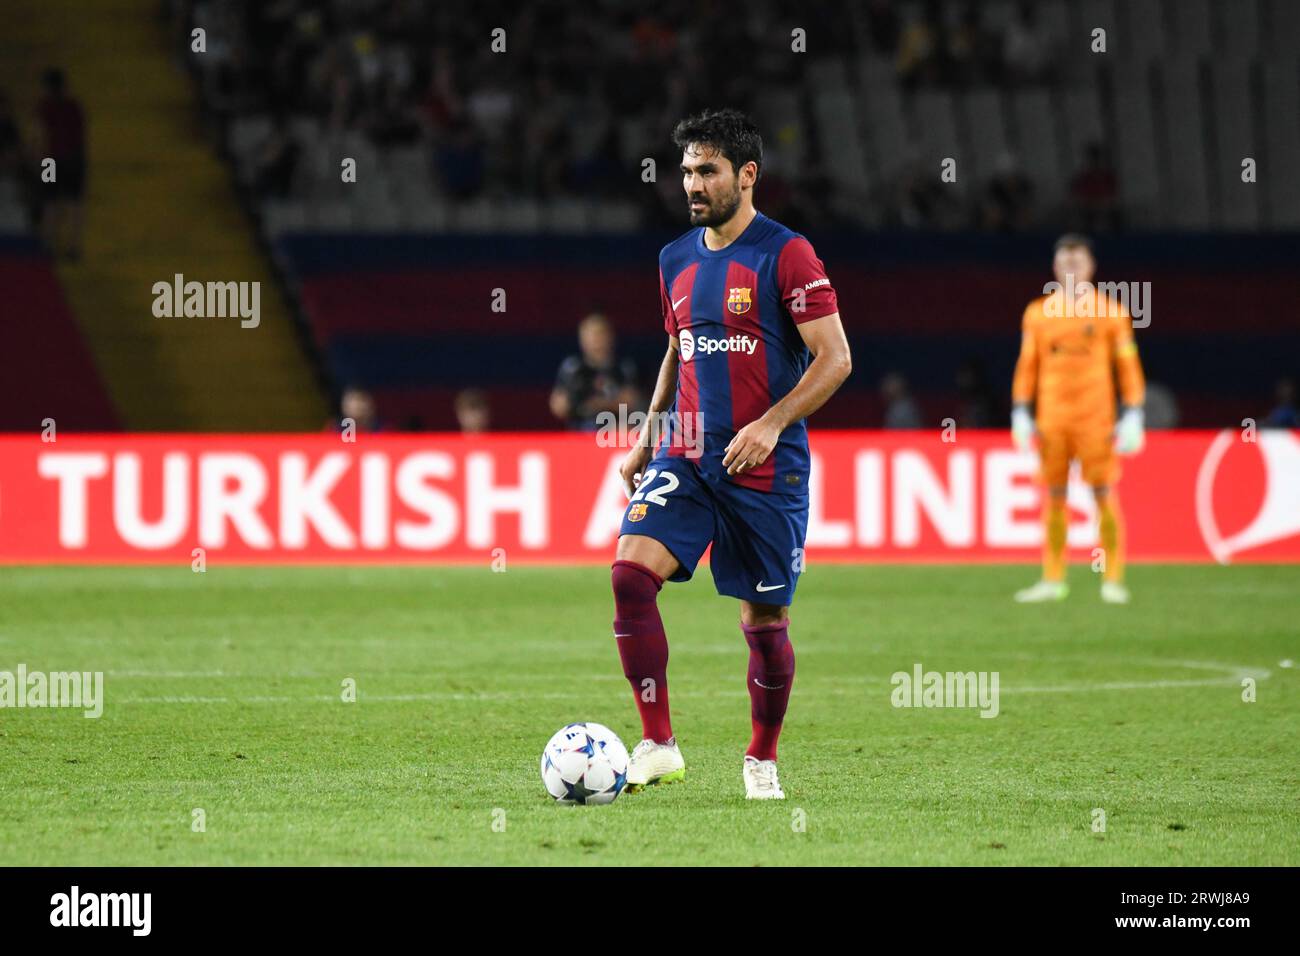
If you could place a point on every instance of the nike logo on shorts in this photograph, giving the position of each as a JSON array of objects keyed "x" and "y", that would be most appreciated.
[{"x": 771, "y": 587}]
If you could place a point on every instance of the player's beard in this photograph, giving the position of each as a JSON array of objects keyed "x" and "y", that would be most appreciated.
[{"x": 717, "y": 211}]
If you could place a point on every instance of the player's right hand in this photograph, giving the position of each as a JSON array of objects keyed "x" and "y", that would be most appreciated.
[
  {"x": 633, "y": 465},
  {"x": 1022, "y": 427}
]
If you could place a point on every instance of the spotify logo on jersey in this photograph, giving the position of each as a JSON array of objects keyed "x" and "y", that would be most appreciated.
[{"x": 689, "y": 344}]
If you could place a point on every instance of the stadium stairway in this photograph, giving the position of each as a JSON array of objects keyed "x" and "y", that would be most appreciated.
[{"x": 160, "y": 202}]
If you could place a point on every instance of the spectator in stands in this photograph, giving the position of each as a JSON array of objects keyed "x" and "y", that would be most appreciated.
[
  {"x": 1027, "y": 47},
  {"x": 63, "y": 139},
  {"x": 11, "y": 152},
  {"x": 901, "y": 410},
  {"x": 595, "y": 380},
  {"x": 882, "y": 27},
  {"x": 473, "y": 415},
  {"x": 459, "y": 161},
  {"x": 1094, "y": 193},
  {"x": 276, "y": 161},
  {"x": 921, "y": 48},
  {"x": 1007, "y": 204},
  {"x": 923, "y": 202},
  {"x": 358, "y": 405},
  {"x": 1160, "y": 410},
  {"x": 1285, "y": 413},
  {"x": 973, "y": 56}
]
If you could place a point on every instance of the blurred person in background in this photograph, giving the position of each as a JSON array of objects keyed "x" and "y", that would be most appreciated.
[
  {"x": 1094, "y": 193},
  {"x": 1076, "y": 344},
  {"x": 1027, "y": 47},
  {"x": 11, "y": 152},
  {"x": 473, "y": 414},
  {"x": 901, "y": 410},
  {"x": 1008, "y": 203},
  {"x": 1285, "y": 413},
  {"x": 594, "y": 380},
  {"x": 1161, "y": 408},
  {"x": 358, "y": 405},
  {"x": 62, "y": 128},
  {"x": 276, "y": 161}
]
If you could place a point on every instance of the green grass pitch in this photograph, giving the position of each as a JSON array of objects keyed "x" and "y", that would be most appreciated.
[{"x": 224, "y": 693}]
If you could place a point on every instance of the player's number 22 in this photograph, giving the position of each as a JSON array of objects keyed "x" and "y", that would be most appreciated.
[{"x": 655, "y": 497}]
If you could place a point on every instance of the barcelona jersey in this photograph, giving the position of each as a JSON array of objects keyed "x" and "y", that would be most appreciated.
[{"x": 734, "y": 312}]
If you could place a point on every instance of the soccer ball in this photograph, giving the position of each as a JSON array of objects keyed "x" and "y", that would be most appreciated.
[{"x": 584, "y": 763}]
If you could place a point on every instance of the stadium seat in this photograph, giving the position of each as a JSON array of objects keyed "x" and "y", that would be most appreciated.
[
  {"x": 1184, "y": 165},
  {"x": 1282, "y": 138},
  {"x": 1038, "y": 146},
  {"x": 1238, "y": 202},
  {"x": 1139, "y": 175}
]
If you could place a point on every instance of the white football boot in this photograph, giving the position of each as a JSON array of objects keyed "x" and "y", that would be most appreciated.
[
  {"x": 1043, "y": 591},
  {"x": 1112, "y": 592},
  {"x": 760, "y": 780},
  {"x": 653, "y": 763}
]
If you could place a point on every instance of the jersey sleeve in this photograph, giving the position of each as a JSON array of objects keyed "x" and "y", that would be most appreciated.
[
  {"x": 1025, "y": 383},
  {"x": 670, "y": 320},
  {"x": 1132, "y": 383},
  {"x": 806, "y": 291}
]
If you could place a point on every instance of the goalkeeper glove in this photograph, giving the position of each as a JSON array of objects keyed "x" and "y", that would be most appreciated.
[
  {"x": 1022, "y": 427},
  {"x": 1130, "y": 431}
]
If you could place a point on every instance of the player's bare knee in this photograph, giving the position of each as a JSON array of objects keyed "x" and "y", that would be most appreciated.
[
  {"x": 647, "y": 552},
  {"x": 761, "y": 615}
]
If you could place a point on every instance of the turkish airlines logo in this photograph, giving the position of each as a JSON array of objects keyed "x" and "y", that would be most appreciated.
[{"x": 1278, "y": 515}]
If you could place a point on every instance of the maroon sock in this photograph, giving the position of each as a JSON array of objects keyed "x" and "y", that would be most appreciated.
[
  {"x": 642, "y": 645},
  {"x": 771, "y": 672}
]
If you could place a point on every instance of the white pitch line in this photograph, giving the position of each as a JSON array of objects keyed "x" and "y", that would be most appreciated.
[{"x": 1234, "y": 676}]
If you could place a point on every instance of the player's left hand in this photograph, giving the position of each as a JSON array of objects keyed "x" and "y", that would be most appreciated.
[
  {"x": 1130, "y": 431},
  {"x": 750, "y": 447}
]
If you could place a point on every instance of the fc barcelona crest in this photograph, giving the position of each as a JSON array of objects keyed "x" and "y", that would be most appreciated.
[
  {"x": 739, "y": 301},
  {"x": 637, "y": 511}
]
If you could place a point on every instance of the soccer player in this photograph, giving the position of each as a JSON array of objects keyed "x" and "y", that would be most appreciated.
[
  {"x": 1075, "y": 343},
  {"x": 755, "y": 345}
]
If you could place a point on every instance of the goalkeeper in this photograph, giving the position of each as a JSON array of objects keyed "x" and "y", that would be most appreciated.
[{"x": 1075, "y": 344}]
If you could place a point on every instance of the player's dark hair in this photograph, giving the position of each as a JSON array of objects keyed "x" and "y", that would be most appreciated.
[
  {"x": 1073, "y": 240},
  {"x": 730, "y": 132}
]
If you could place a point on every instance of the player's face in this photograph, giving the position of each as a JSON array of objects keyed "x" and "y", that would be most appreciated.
[
  {"x": 712, "y": 188},
  {"x": 1076, "y": 261}
]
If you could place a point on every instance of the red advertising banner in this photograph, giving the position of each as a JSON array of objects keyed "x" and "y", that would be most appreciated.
[{"x": 875, "y": 496}]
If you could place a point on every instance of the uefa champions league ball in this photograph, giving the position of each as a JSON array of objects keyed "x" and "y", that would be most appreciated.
[{"x": 584, "y": 763}]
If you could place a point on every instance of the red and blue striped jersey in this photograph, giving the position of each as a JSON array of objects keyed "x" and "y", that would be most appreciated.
[{"x": 735, "y": 312}]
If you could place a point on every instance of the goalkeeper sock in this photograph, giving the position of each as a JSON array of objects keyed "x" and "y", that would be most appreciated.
[
  {"x": 1054, "y": 528},
  {"x": 1110, "y": 526}
]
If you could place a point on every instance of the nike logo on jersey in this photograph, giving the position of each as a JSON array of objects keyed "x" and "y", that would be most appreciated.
[
  {"x": 679, "y": 302},
  {"x": 770, "y": 587}
]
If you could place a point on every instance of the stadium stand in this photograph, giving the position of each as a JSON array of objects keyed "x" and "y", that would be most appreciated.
[{"x": 522, "y": 171}]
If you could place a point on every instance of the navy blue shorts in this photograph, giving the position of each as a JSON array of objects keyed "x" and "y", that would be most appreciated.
[{"x": 757, "y": 537}]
